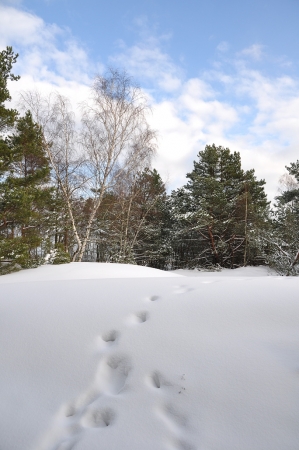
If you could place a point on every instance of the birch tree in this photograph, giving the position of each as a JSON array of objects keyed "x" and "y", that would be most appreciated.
[
  {"x": 115, "y": 135},
  {"x": 88, "y": 159},
  {"x": 67, "y": 158}
]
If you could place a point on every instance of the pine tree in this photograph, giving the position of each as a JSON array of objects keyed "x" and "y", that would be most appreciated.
[
  {"x": 130, "y": 226},
  {"x": 24, "y": 194},
  {"x": 283, "y": 241},
  {"x": 151, "y": 240},
  {"x": 217, "y": 211},
  {"x": 7, "y": 115},
  {"x": 7, "y": 120}
]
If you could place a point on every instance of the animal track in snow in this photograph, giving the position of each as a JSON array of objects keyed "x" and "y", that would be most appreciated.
[
  {"x": 70, "y": 410},
  {"x": 110, "y": 336},
  {"x": 137, "y": 318},
  {"x": 112, "y": 374},
  {"x": 179, "y": 444},
  {"x": 157, "y": 380},
  {"x": 153, "y": 298},
  {"x": 74, "y": 418},
  {"x": 98, "y": 418},
  {"x": 106, "y": 340},
  {"x": 142, "y": 316},
  {"x": 182, "y": 289}
]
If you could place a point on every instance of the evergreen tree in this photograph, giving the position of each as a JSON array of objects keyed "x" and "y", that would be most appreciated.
[
  {"x": 283, "y": 241},
  {"x": 24, "y": 170},
  {"x": 7, "y": 115},
  {"x": 217, "y": 211},
  {"x": 7, "y": 120},
  {"x": 151, "y": 241},
  {"x": 130, "y": 226}
]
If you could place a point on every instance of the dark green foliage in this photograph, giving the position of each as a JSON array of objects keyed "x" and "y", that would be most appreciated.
[
  {"x": 59, "y": 256},
  {"x": 283, "y": 242},
  {"x": 151, "y": 246},
  {"x": 13, "y": 255},
  {"x": 131, "y": 223},
  {"x": 217, "y": 211},
  {"x": 24, "y": 172},
  {"x": 7, "y": 116}
]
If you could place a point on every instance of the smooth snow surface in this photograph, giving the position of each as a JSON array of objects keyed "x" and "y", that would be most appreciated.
[
  {"x": 153, "y": 363},
  {"x": 84, "y": 271}
]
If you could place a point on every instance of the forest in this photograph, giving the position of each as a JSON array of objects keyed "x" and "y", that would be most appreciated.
[{"x": 85, "y": 190}]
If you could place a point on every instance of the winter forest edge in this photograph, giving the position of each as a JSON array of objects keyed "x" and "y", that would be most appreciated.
[{"x": 86, "y": 191}]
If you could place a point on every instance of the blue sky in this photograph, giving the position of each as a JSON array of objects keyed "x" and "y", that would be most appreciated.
[
  {"x": 214, "y": 71},
  {"x": 192, "y": 29}
]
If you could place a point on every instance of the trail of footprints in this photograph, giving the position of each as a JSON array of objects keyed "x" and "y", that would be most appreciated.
[{"x": 75, "y": 418}]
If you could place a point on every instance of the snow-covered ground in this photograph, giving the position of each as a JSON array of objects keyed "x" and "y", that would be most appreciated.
[{"x": 113, "y": 357}]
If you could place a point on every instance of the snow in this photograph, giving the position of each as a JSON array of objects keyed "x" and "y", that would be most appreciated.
[
  {"x": 257, "y": 271},
  {"x": 105, "y": 356},
  {"x": 84, "y": 271}
]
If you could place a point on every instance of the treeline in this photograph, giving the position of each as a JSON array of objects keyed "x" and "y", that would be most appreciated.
[{"x": 84, "y": 190}]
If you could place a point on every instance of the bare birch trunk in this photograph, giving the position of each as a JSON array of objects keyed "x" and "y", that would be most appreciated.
[{"x": 65, "y": 195}]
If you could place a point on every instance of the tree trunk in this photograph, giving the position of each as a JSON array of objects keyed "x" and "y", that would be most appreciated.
[{"x": 213, "y": 246}]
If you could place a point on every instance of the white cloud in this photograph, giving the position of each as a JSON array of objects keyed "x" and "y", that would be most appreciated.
[
  {"x": 48, "y": 53},
  {"x": 22, "y": 27},
  {"x": 255, "y": 52},
  {"x": 270, "y": 134},
  {"x": 50, "y": 59},
  {"x": 148, "y": 61},
  {"x": 186, "y": 124},
  {"x": 230, "y": 105},
  {"x": 259, "y": 118}
]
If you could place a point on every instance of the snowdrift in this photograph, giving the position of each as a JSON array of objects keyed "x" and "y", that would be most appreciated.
[{"x": 100, "y": 356}]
